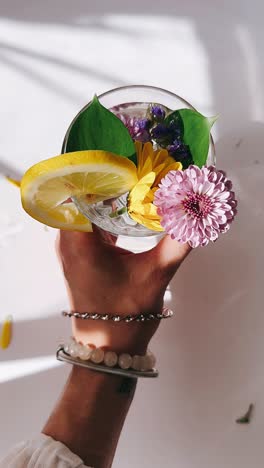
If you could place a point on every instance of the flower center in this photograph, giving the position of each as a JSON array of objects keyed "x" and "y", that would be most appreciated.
[{"x": 198, "y": 206}]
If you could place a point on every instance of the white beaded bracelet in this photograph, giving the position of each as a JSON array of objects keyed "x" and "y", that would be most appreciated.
[
  {"x": 108, "y": 361},
  {"x": 110, "y": 358}
]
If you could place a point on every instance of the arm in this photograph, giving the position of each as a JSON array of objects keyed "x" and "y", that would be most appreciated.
[
  {"x": 102, "y": 278},
  {"x": 90, "y": 415}
]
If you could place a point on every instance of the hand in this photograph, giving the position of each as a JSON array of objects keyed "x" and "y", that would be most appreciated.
[{"x": 103, "y": 278}]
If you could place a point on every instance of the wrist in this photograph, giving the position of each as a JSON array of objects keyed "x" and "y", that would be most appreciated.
[
  {"x": 132, "y": 338},
  {"x": 82, "y": 379},
  {"x": 122, "y": 304},
  {"x": 121, "y": 337}
]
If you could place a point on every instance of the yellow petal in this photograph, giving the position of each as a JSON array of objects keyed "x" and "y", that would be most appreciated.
[
  {"x": 140, "y": 202},
  {"x": 140, "y": 161},
  {"x": 6, "y": 333},
  {"x": 150, "y": 195},
  {"x": 139, "y": 146},
  {"x": 140, "y": 190},
  {"x": 146, "y": 168},
  {"x": 147, "y": 151},
  {"x": 162, "y": 156},
  {"x": 148, "y": 179},
  {"x": 138, "y": 194},
  {"x": 159, "y": 168},
  {"x": 175, "y": 166},
  {"x": 154, "y": 225},
  {"x": 147, "y": 209},
  {"x": 144, "y": 158}
]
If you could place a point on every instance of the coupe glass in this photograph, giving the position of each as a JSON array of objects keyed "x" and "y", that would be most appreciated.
[{"x": 131, "y": 101}]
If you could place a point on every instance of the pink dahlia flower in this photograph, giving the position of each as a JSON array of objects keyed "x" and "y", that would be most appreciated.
[{"x": 196, "y": 205}]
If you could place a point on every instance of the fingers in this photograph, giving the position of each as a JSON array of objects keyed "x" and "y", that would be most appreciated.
[
  {"x": 171, "y": 251},
  {"x": 74, "y": 243},
  {"x": 168, "y": 255},
  {"x": 73, "y": 238},
  {"x": 105, "y": 236},
  {"x": 79, "y": 237}
]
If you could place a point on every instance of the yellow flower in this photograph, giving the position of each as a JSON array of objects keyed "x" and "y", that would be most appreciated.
[{"x": 152, "y": 166}]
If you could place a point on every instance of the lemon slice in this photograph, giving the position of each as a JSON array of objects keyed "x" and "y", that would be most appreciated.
[{"x": 96, "y": 175}]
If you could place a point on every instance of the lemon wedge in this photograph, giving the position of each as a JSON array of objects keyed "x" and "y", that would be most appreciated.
[{"x": 47, "y": 187}]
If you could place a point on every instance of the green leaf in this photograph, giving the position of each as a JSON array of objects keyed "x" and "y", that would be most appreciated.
[
  {"x": 195, "y": 132},
  {"x": 98, "y": 128}
]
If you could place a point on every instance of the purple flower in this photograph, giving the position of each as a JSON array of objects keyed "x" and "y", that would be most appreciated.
[
  {"x": 176, "y": 146},
  {"x": 175, "y": 129},
  {"x": 180, "y": 152},
  {"x": 165, "y": 133},
  {"x": 160, "y": 132},
  {"x": 157, "y": 112},
  {"x": 143, "y": 124},
  {"x": 196, "y": 205},
  {"x": 138, "y": 128}
]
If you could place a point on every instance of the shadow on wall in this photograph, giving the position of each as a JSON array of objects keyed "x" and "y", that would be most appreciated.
[
  {"x": 28, "y": 400},
  {"x": 66, "y": 12},
  {"x": 209, "y": 312},
  {"x": 78, "y": 13},
  {"x": 28, "y": 403},
  {"x": 216, "y": 336},
  {"x": 32, "y": 338},
  {"x": 206, "y": 317},
  {"x": 210, "y": 352},
  {"x": 230, "y": 56}
]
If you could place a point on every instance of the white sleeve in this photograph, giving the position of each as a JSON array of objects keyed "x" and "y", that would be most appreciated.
[{"x": 41, "y": 452}]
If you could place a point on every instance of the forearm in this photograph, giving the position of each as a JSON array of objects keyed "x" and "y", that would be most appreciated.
[
  {"x": 102, "y": 279},
  {"x": 90, "y": 415},
  {"x": 91, "y": 412}
]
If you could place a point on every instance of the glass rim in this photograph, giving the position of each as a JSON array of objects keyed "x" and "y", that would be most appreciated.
[{"x": 127, "y": 87}]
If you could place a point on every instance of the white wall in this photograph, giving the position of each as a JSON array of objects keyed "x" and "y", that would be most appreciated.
[{"x": 53, "y": 56}]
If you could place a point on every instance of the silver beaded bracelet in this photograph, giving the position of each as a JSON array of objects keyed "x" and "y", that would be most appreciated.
[
  {"x": 166, "y": 313},
  {"x": 108, "y": 361}
]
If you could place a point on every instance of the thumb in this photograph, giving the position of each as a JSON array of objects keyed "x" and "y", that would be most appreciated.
[{"x": 168, "y": 255}]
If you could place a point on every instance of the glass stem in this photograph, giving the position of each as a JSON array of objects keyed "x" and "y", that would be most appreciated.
[{"x": 119, "y": 212}]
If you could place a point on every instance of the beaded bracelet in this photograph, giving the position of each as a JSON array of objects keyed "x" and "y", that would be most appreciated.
[
  {"x": 166, "y": 313},
  {"x": 108, "y": 361}
]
